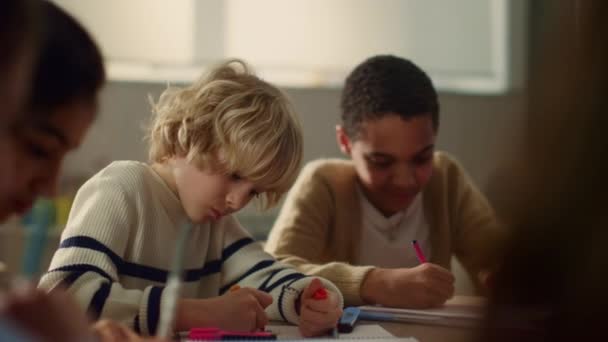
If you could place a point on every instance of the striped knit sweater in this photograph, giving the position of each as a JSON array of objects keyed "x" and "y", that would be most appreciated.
[{"x": 117, "y": 247}]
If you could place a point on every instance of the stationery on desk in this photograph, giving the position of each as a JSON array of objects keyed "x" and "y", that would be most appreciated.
[
  {"x": 363, "y": 332},
  {"x": 215, "y": 334},
  {"x": 461, "y": 311}
]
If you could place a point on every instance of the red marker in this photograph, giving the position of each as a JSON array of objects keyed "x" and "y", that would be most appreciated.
[
  {"x": 320, "y": 294},
  {"x": 216, "y": 334},
  {"x": 419, "y": 253}
]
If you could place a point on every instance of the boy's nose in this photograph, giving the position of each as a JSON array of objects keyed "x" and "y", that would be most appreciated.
[
  {"x": 237, "y": 200},
  {"x": 404, "y": 177}
]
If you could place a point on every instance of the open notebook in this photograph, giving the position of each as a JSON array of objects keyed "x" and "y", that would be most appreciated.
[
  {"x": 362, "y": 332},
  {"x": 459, "y": 311}
]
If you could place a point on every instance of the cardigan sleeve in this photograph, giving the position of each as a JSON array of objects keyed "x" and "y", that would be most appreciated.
[
  {"x": 90, "y": 257},
  {"x": 301, "y": 234},
  {"x": 478, "y": 235}
]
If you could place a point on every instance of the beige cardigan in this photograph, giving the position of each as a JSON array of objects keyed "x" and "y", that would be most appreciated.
[{"x": 318, "y": 229}]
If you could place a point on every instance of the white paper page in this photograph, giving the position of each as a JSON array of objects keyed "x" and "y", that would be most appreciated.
[{"x": 361, "y": 332}]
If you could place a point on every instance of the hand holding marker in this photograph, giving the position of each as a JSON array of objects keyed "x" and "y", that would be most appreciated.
[{"x": 321, "y": 294}]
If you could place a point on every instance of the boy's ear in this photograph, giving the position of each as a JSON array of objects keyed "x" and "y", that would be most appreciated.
[{"x": 343, "y": 140}]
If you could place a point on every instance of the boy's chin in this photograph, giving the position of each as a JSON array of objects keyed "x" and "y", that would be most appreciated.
[
  {"x": 397, "y": 205},
  {"x": 196, "y": 218},
  {"x": 202, "y": 219}
]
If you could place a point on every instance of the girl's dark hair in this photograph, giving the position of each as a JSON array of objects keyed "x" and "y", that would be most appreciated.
[
  {"x": 386, "y": 84},
  {"x": 70, "y": 65},
  {"x": 17, "y": 19}
]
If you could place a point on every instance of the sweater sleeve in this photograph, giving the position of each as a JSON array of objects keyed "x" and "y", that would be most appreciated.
[
  {"x": 478, "y": 235},
  {"x": 90, "y": 257},
  {"x": 246, "y": 263},
  {"x": 302, "y": 231}
]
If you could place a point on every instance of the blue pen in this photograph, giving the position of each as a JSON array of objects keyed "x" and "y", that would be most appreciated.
[
  {"x": 42, "y": 215},
  {"x": 346, "y": 324}
]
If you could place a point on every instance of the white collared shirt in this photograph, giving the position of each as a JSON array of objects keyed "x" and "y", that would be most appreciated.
[{"x": 387, "y": 241}]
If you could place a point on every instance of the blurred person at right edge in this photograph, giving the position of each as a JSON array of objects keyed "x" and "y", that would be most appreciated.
[{"x": 553, "y": 283}]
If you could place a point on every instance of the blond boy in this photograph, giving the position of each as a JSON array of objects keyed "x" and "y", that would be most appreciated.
[{"x": 214, "y": 146}]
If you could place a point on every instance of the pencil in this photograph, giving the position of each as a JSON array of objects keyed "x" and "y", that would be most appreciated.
[
  {"x": 172, "y": 289},
  {"x": 42, "y": 215}
]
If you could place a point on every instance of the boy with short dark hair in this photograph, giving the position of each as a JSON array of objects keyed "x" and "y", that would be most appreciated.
[{"x": 354, "y": 221}]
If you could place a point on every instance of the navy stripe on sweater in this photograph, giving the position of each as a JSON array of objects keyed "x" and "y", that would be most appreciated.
[
  {"x": 154, "y": 308},
  {"x": 284, "y": 279},
  {"x": 257, "y": 267},
  {"x": 99, "y": 300},
  {"x": 77, "y": 270},
  {"x": 286, "y": 289},
  {"x": 147, "y": 272}
]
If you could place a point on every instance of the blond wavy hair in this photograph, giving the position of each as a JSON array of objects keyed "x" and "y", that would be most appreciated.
[{"x": 230, "y": 112}]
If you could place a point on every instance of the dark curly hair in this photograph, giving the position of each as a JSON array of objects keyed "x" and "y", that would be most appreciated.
[{"x": 387, "y": 84}]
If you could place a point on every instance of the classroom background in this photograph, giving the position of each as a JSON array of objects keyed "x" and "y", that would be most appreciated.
[{"x": 148, "y": 44}]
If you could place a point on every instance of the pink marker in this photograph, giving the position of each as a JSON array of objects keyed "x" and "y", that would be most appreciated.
[
  {"x": 215, "y": 334},
  {"x": 419, "y": 253}
]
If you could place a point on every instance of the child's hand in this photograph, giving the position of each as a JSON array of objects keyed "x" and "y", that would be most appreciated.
[
  {"x": 111, "y": 331},
  {"x": 424, "y": 286},
  {"x": 240, "y": 310},
  {"x": 53, "y": 316},
  {"x": 317, "y": 316}
]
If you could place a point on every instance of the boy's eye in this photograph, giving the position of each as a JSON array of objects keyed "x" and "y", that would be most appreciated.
[
  {"x": 235, "y": 176},
  {"x": 422, "y": 160}
]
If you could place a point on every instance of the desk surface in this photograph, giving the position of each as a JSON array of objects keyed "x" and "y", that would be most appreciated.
[
  {"x": 430, "y": 333},
  {"x": 424, "y": 333}
]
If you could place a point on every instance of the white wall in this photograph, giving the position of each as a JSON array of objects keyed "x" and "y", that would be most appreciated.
[{"x": 470, "y": 46}]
